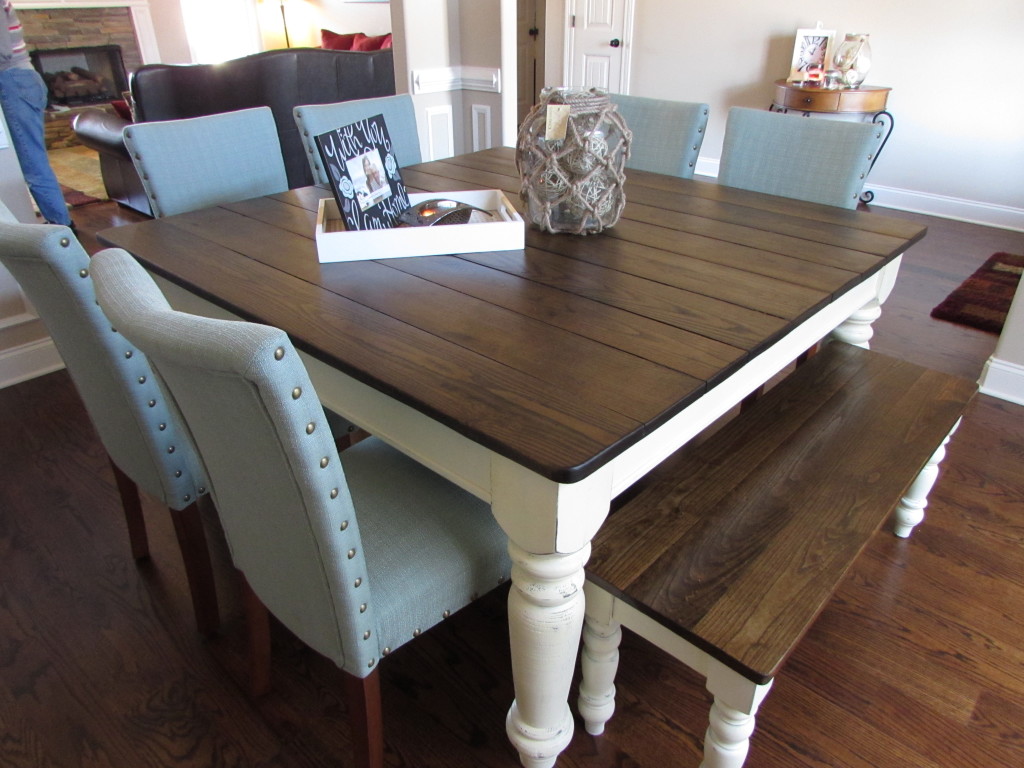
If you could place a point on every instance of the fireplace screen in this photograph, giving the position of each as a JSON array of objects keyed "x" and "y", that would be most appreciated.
[{"x": 86, "y": 75}]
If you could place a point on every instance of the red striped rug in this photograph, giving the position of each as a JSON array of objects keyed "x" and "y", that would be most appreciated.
[{"x": 983, "y": 299}]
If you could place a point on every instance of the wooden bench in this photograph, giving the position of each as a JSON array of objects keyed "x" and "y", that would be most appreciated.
[{"x": 730, "y": 551}]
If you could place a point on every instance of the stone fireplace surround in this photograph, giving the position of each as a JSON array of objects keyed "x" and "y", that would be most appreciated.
[{"x": 56, "y": 24}]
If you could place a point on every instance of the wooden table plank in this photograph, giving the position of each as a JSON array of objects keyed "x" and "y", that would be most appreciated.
[
  {"x": 793, "y": 269},
  {"x": 672, "y": 347},
  {"x": 715, "y": 319},
  {"x": 574, "y": 348},
  {"x": 542, "y": 426}
]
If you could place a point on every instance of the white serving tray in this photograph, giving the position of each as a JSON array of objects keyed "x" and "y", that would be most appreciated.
[{"x": 335, "y": 243}]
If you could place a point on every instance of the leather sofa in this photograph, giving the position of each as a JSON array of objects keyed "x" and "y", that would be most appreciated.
[{"x": 279, "y": 79}]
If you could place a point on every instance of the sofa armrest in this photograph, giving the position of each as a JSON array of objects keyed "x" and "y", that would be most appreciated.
[{"x": 101, "y": 131}]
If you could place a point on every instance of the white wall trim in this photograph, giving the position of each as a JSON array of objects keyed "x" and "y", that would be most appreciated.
[
  {"x": 987, "y": 214},
  {"x": 1004, "y": 380},
  {"x": 442, "y": 79},
  {"x": 142, "y": 19},
  {"x": 481, "y": 120},
  {"x": 28, "y": 361},
  {"x": 440, "y": 132}
]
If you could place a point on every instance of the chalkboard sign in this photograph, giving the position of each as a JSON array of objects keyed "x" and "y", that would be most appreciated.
[{"x": 364, "y": 175}]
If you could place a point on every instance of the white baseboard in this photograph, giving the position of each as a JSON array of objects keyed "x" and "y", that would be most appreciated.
[
  {"x": 463, "y": 78},
  {"x": 987, "y": 214},
  {"x": 1004, "y": 380},
  {"x": 28, "y": 361}
]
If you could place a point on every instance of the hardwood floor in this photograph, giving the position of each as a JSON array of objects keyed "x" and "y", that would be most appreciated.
[{"x": 918, "y": 661}]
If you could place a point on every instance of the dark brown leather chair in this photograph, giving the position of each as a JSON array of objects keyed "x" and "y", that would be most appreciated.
[{"x": 279, "y": 79}]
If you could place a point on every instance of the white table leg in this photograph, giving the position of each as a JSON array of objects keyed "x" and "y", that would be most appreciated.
[
  {"x": 545, "y": 617},
  {"x": 856, "y": 329},
  {"x": 599, "y": 661},
  {"x": 731, "y": 722},
  {"x": 910, "y": 510}
]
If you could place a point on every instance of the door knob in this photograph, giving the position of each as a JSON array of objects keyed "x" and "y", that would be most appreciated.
[{"x": 615, "y": 43}]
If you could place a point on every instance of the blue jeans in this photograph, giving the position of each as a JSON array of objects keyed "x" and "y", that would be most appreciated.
[{"x": 23, "y": 97}]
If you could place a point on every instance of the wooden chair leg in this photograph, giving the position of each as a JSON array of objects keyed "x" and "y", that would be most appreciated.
[
  {"x": 807, "y": 354},
  {"x": 188, "y": 526},
  {"x": 257, "y": 622},
  {"x": 132, "y": 505},
  {"x": 752, "y": 398},
  {"x": 362, "y": 695},
  {"x": 349, "y": 439}
]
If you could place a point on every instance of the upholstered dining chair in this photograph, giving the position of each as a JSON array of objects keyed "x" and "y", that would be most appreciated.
[
  {"x": 399, "y": 114},
  {"x": 204, "y": 161},
  {"x": 140, "y": 428},
  {"x": 355, "y": 556},
  {"x": 823, "y": 161},
  {"x": 667, "y": 135}
]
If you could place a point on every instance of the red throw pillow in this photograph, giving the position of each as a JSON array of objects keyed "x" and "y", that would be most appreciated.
[
  {"x": 364, "y": 43},
  {"x": 332, "y": 41},
  {"x": 122, "y": 109}
]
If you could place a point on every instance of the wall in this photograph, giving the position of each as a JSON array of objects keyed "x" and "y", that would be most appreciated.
[
  {"x": 25, "y": 347},
  {"x": 956, "y": 149},
  {"x": 1004, "y": 372},
  {"x": 957, "y": 129},
  {"x": 170, "y": 32}
]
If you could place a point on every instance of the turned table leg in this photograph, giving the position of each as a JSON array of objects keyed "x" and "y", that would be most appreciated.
[{"x": 545, "y": 616}]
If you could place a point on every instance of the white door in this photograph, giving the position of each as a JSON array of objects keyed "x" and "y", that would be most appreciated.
[{"x": 598, "y": 54}]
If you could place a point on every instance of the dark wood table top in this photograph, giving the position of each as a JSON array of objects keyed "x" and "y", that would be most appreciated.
[{"x": 559, "y": 356}]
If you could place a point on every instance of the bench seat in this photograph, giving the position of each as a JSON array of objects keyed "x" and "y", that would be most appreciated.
[{"x": 735, "y": 544}]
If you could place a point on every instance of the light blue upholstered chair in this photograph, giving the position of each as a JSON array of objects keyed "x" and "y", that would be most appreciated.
[
  {"x": 140, "y": 428},
  {"x": 823, "y": 161},
  {"x": 399, "y": 114},
  {"x": 200, "y": 162},
  {"x": 666, "y": 134},
  {"x": 356, "y": 557}
]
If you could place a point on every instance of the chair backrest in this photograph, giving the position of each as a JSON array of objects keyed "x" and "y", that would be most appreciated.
[
  {"x": 399, "y": 114},
  {"x": 823, "y": 161},
  {"x": 666, "y": 134},
  {"x": 141, "y": 429},
  {"x": 276, "y": 479},
  {"x": 205, "y": 161}
]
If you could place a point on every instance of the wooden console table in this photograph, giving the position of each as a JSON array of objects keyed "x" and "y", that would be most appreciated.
[{"x": 867, "y": 104}]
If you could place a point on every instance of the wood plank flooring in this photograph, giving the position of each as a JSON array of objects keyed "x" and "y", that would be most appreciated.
[{"x": 918, "y": 661}]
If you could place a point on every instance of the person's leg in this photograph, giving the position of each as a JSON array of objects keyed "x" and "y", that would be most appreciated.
[{"x": 23, "y": 94}]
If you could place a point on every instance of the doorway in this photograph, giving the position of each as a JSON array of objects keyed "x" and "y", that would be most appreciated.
[{"x": 529, "y": 54}]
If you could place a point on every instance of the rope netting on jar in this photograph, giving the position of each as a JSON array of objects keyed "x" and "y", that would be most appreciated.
[{"x": 574, "y": 184}]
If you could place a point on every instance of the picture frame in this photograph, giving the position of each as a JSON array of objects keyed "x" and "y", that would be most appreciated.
[
  {"x": 812, "y": 50},
  {"x": 361, "y": 167}
]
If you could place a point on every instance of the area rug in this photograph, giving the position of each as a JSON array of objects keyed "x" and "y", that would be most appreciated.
[
  {"x": 75, "y": 199},
  {"x": 984, "y": 298}
]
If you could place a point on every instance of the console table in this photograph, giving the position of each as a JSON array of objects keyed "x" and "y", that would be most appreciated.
[{"x": 867, "y": 104}]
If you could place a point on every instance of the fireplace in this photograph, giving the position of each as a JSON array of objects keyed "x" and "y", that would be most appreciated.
[{"x": 76, "y": 76}]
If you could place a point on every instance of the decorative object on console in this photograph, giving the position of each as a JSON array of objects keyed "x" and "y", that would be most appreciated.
[
  {"x": 571, "y": 155},
  {"x": 811, "y": 53},
  {"x": 363, "y": 173},
  {"x": 853, "y": 60}
]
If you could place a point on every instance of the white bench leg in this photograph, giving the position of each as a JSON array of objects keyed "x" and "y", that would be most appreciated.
[
  {"x": 731, "y": 722},
  {"x": 910, "y": 510},
  {"x": 599, "y": 661}
]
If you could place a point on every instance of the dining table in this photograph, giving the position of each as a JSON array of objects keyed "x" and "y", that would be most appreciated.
[{"x": 546, "y": 380}]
